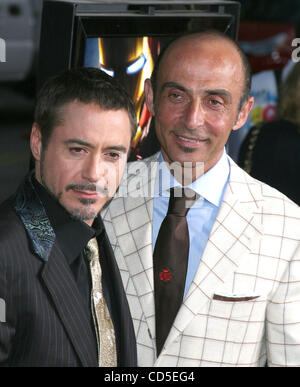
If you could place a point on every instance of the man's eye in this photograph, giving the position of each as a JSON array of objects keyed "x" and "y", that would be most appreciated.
[
  {"x": 113, "y": 155},
  {"x": 215, "y": 103},
  {"x": 76, "y": 150},
  {"x": 176, "y": 97}
]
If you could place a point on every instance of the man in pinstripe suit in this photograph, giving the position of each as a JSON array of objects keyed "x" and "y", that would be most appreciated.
[{"x": 84, "y": 123}]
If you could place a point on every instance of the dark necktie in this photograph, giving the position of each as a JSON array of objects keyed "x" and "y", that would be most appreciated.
[{"x": 170, "y": 260}]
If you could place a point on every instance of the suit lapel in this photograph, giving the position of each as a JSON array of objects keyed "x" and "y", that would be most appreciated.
[
  {"x": 132, "y": 219},
  {"x": 226, "y": 249},
  {"x": 56, "y": 274},
  {"x": 70, "y": 307}
]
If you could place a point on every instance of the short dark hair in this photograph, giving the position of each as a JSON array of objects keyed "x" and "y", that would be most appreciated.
[
  {"x": 86, "y": 85},
  {"x": 213, "y": 33}
]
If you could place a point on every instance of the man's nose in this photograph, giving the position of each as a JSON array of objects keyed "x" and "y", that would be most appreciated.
[
  {"x": 194, "y": 115},
  {"x": 93, "y": 169}
]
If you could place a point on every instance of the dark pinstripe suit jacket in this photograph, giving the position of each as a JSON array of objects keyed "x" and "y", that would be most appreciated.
[{"x": 46, "y": 318}]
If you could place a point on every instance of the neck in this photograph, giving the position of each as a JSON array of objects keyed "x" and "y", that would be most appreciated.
[{"x": 187, "y": 172}]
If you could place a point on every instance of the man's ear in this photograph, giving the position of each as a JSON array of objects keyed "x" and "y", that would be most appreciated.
[
  {"x": 243, "y": 114},
  {"x": 149, "y": 97},
  {"x": 36, "y": 142}
]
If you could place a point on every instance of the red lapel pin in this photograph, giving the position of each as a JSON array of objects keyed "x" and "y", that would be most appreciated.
[{"x": 165, "y": 275}]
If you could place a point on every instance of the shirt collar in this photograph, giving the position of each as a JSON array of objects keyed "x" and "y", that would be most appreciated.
[
  {"x": 72, "y": 235},
  {"x": 209, "y": 186}
]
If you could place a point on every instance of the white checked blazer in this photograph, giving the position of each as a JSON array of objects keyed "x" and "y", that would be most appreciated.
[{"x": 243, "y": 306}]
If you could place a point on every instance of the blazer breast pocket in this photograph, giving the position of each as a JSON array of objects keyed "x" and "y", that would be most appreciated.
[
  {"x": 238, "y": 307},
  {"x": 238, "y": 321},
  {"x": 234, "y": 298}
]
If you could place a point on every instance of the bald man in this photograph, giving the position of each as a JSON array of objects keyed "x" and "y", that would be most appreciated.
[{"x": 240, "y": 302}]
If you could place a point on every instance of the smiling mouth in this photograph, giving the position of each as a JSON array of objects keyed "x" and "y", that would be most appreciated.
[
  {"x": 188, "y": 139},
  {"x": 190, "y": 142}
]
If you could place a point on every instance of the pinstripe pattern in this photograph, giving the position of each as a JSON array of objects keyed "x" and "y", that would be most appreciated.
[
  {"x": 243, "y": 307},
  {"x": 46, "y": 317}
]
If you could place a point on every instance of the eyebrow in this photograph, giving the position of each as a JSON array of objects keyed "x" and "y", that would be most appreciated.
[
  {"x": 119, "y": 148},
  {"x": 222, "y": 92},
  {"x": 78, "y": 141},
  {"x": 168, "y": 85}
]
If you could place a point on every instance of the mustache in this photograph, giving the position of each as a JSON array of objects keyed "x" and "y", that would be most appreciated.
[{"x": 88, "y": 187}]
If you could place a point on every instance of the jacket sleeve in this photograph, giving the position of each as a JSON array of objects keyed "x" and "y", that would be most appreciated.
[{"x": 283, "y": 312}]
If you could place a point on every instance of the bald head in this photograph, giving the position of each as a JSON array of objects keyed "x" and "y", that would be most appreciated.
[
  {"x": 212, "y": 42},
  {"x": 199, "y": 99}
]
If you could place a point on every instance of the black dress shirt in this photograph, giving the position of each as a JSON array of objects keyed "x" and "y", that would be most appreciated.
[{"x": 72, "y": 237}]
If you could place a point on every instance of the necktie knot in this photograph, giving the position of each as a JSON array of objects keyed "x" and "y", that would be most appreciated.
[{"x": 181, "y": 200}]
